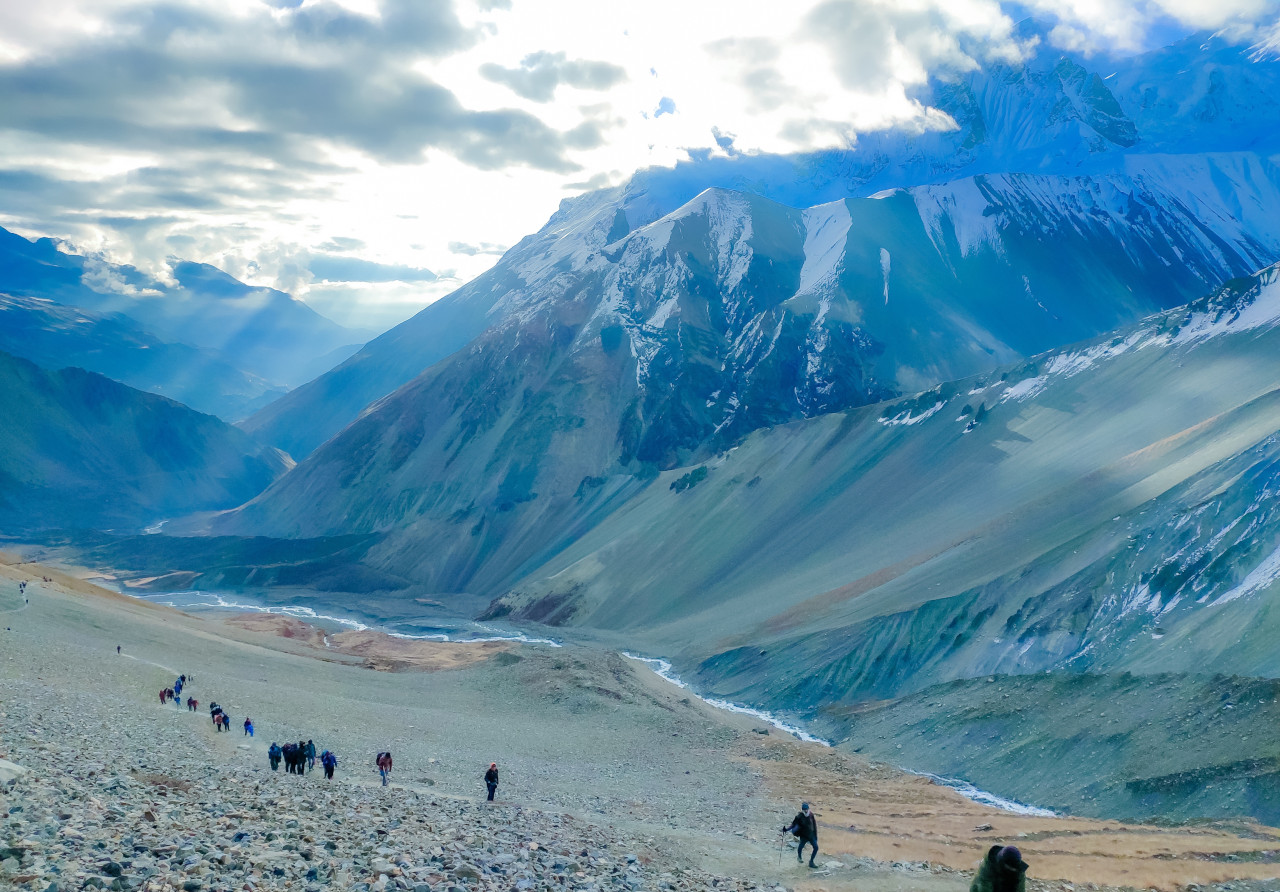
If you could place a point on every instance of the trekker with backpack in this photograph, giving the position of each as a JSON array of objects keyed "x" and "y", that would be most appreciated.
[
  {"x": 274, "y": 755},
  {"x": 311, "y": 756},
  {"x": 329, "y": 762},
  {"x": 805, "y": 826},
  {"x": 384, "y": 766}
]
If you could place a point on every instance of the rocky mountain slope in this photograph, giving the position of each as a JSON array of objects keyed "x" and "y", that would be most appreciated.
[
  {"x": 56, "y": 336},
  {"x": 261, "y": 331},
  {"x": 1104, "y": 508},
  {"x": 81, "y": 450},
  {"x": 1191, "y": 127}
]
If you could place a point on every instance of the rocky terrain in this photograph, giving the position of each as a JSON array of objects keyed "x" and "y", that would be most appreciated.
[{"x": 612, "y": 779}]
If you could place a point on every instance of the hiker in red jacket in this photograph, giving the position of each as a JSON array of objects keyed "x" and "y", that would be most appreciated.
[{"x": 384, "y": 766}]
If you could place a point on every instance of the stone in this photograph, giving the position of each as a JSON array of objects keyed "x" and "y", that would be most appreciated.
[{"x": 10, "y": 772}]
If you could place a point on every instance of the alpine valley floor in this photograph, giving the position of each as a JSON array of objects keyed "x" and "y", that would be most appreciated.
[{"x": 611, "y": 778}]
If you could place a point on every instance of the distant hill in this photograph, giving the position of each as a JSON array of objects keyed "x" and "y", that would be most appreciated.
[
  {"x": 261, "y": 331},
  {"x": 80, "y": 450},
  {"x": 55, "y": 336}
]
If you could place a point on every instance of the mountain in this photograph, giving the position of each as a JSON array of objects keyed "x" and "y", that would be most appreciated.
[
  {"x": 78, "y": 449},
  {"x": 1102, "y": 508},
  {"x": 261, "y": 331},
  {"x": 55, "y": 336},
  {"x": 732, "y": 314},
  {"x": 1185, "y": 127}
]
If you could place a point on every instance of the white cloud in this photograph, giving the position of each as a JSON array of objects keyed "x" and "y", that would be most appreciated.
[{"x": 251, "y": 134}]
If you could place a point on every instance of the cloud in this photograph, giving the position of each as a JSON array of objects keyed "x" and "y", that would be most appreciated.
[
  {"x": 431, "y": 133},
  {"x": 342, "y": 243},
  {"x": 469, "y": 250},
  {"x": 336, "y": 268},
  {"x": 541, "y": 73}
]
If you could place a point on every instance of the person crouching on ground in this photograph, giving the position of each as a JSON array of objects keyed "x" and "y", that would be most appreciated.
[
  {"x": 805, "y": 826},
  {"x": 491, "y": 779},
  {"x": 1003, "y": 870}
]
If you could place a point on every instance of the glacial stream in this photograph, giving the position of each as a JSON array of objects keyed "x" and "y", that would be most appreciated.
[
  {"x": 662, "y": 669},
  {"x": 438, "y": 628}
]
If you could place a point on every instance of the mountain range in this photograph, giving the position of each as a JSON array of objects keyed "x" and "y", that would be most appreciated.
[{"x": 204, "y": 338}]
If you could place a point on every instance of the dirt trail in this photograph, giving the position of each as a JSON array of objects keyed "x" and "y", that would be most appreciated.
[{"x": 870, "y": 810}]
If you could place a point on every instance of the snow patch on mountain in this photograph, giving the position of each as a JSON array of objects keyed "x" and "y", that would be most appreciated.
[
  {"x": 885, "y": 262},
  {"x": 1067, "y": 365},
  {"x": 1259, "y": 578},
  {"x": 961, "y": 208},
  {"x": 1262, "y": 312},
  {"x": 826, "y": 232}
]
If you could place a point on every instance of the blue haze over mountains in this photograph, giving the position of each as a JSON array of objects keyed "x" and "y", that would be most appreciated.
[{"x": 868, "y": 426}]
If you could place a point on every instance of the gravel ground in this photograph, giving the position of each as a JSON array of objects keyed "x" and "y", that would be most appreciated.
[{"x": 610, "y": 778}]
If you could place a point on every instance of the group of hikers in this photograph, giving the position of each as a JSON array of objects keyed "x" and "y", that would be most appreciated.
[
  {"x": 174, "y": 694},
  {"x": 221, "y": 721},
  {"x": 299, "y": 758},
  {"x": 1002, "y": 870}
]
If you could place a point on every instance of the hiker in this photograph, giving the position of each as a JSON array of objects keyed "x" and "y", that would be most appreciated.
[
  {"x": 273, "y": 756},
  {"x": 294, "y": 757},
  {"x": 1003, "y": 870},
  {"x": 162, "y": 696},
  {"x": 384, "y": 766},
  {"x": 329, "y": 761},
  {"x": 491, "y": 779},
  {"x": 311, "y": 756},
  {"x": 248, "y": 727},
  {"x": 117, "y": 650},
  {"x": 805, "y": 826},
  {"x": 302, "y": 757},
  {"x": 194, "y": 705}
]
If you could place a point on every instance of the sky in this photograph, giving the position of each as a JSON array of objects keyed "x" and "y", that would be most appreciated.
[{"x": 369, "y": 156}]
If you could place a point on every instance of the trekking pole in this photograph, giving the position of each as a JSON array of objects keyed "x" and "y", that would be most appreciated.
[{"x": 782, "y": 844}]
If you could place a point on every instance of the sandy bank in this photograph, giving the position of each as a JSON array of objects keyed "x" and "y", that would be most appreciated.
[{"x": 386, "y": 653}]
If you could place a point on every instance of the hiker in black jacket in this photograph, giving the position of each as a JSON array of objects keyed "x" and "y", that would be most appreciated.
[
  {"x": 491, "y": 779},
  {"x": 805, "y": 826}
]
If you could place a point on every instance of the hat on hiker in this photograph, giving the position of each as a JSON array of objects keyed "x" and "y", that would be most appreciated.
[
  {"x": 493, "y": 764},
  {"x": 804, "y": 806},
  {"x": 1010, "y": 857}
]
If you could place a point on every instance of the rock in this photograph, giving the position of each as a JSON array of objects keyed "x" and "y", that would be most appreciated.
[{"x": 10, "y": 772}]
